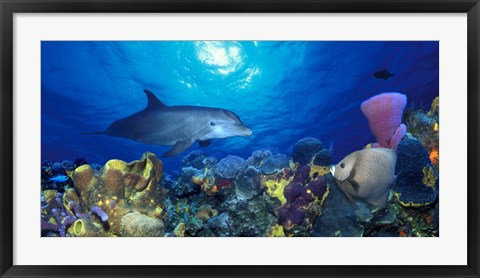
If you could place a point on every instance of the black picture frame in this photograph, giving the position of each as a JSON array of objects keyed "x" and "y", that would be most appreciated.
[{"x": 9, "y": 7}]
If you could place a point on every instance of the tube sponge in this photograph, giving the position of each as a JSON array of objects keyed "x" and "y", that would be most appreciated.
[
  {"x": 384, "y": 114},
  {"x": 86, "y": 228}
]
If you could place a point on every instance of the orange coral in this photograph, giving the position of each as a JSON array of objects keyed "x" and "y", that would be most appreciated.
[
  {"x": 434, "y": 156},
  {"x": 206, "y": 182}
]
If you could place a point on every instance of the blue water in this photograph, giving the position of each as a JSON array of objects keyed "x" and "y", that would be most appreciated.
[{"x": 283, "y": 91}]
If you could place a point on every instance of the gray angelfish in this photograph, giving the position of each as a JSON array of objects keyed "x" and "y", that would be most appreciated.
[
  {"x": 367, "y": 174},
  {"x": 177, "y": 126}
]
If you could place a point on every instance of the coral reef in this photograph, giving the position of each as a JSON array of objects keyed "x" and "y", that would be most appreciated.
[
  {"x": 207, "y": 182},
  {"x": 424, "y": 126},
  {"x": 399, "y": 221},
  {"x": 276, "y": 231},
  {"x": 384, "y": 114},
  {"x": 206, "y": 212},
  {"x": 267, "y": 194},
  {"x": 123, "y": 193},
  {"x": 252, "y": 218},
  {"x": 59, "y": 212},
  {"x": 51, "y": 171},
  {"x": 305, "y": 149},
  {"x": 416, "y": 182},
  {"x": 338, "y": 217},
  {"x": 247, "y": 184},
  {"x": 187, "y": 178},
  {"x": 87, "y": 227},
  {"x": 304, "y": 197},
  {"x": 275, "y": 184},
  {"x": 258, "y": 157},
  {"x": 199, "y": 160},
  {"x": 323, "y": 158},
  {"x": 179, "y": 230},
  {"x": 136, "y": 224},
  {"x": 230, "y": 166},
  {"x": 273, "y": 164}
]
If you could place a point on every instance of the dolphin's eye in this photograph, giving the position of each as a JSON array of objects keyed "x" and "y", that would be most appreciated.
[
  {"x": 212, "y": 123},
  {"x": 342, "y": 165}
]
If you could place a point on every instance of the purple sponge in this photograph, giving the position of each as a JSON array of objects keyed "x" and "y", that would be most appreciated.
[{"x": 384, "y": 114}]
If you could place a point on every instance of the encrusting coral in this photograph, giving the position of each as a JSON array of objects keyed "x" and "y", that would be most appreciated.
[
  {"x": 276, "y": 184},
  {"x": 276, "y": 231},
  {"x": 424, "y": 126}
]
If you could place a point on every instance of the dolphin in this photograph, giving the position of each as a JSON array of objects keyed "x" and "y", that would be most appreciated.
[{"x": 177, "y": 126}]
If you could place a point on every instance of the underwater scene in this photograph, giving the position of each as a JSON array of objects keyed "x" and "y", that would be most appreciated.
[{"x": 239, "y": 139}]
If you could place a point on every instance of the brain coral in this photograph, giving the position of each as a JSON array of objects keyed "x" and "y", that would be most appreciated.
[
  {"x": 230, "y": 166},
  {"x": 412, "y": 159},
  {"x": 305, "y": 149}
]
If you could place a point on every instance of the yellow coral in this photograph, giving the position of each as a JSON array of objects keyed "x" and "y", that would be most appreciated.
[
  {"x": 158, "y": 212},
  {"x": 320, "y": 170},
  {"x": 276, "y": 231},
  {"x": 408, "y": 204},
  {"x": 133, "y": 187},
  {"x": 435, "y": 127},
  {"x": 68, "y": 196},
  {"x": 69, "y": 173},
  {"x": 79, "y": 228},
  {"x": 52, "y": 220},
  {"x": 206, "y": 182},
  {"x": 86, "y": 228},
  {"x": 435, "y": 106},
  {"x": 276, "y": 187},
  {"x": 429, "y": 176},
  {"x": 179, "y": 231},
  {"x": 49, "y": 194}
]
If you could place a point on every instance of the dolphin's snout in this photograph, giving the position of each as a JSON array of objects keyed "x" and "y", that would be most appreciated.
[{"x": 248, "y": 132}]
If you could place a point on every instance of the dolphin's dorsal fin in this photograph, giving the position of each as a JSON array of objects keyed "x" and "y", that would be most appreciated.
[{"x": 153, "y": 101}]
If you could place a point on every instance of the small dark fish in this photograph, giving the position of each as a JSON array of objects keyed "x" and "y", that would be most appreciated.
[
  {"x": 383, "y": 74},
  {"x": 59, "y": 178}
]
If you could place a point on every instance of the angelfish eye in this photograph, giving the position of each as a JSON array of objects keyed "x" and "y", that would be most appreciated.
[
  {"x": 212, "y": 123},
  {"x": 342, "y": 165}
]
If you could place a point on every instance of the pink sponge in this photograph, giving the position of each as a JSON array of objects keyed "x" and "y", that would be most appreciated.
[{"x": 384, "y": 113}]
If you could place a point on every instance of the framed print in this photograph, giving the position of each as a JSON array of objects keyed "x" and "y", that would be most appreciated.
[{"x": 239, "y": 138}]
